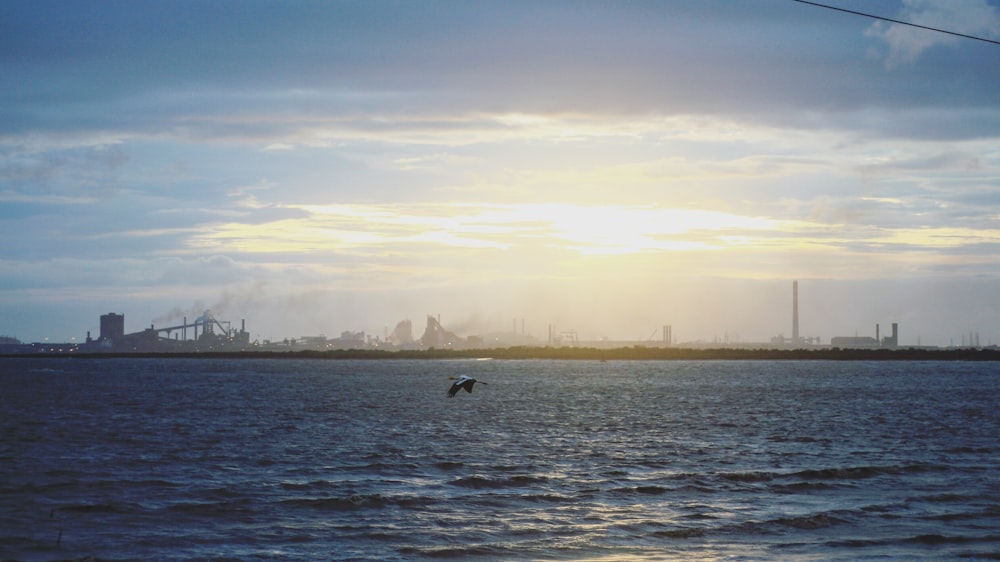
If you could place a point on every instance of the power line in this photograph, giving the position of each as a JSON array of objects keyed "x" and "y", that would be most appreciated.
[{"x": 897, "y": 21}]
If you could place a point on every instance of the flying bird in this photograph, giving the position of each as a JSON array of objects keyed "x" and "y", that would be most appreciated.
[{"x": 463, "y": 381}]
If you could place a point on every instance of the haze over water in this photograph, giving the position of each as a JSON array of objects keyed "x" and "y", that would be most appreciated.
[{"x": 552, "y": 460}]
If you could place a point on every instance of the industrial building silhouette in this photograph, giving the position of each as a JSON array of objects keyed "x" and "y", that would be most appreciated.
[
  {"x": 206, "y": 333},
  {"x": 112, "y": 336}
]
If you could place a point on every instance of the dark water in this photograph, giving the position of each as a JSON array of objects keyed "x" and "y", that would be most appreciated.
[{"x": 336, "y": 460}]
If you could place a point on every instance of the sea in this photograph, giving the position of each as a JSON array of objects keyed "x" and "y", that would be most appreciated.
[{"x": 309, "y": 459}]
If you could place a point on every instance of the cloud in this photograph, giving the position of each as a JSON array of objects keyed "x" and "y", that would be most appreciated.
[
  {"x": 935, "y": 162},
  {"x": 325, "y": 71},
  {"x": 908, "y": 43},
  {"x": 322, "y": 160},
  {"x": 76, "y": 169}
]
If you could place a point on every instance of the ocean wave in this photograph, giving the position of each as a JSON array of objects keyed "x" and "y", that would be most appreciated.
[
  {"x": 929, "y": 539},
  {"x": 514, "y": 468},
  {"x": 381, "y": 467},
  {"x": 804, "y": 522},
  {"x": 221, "y": 508},
  {"x": 92, "y": 508},
  {"x": 456, "y": 552},
  {"x": 961, "y": 516},
  {"x": 814, "y": 521},
  {"x": 943, "y": 498},
  {"x": 800, "y": 487},
  {"x": 650, "y": 489},
  {"x": 970, "y": 450},
  {"x": 751, "y": 476},
  {"x": 682, "y": 533},
  {"x": 315, "y": 485},
  {"x": 482, "y": 482},
  {"x": 358, "y": 501},
  {"x": 96, "y": 559},
  {"x": 547, "y": 498},
  {"x": 934, "y": 538},
  {"x": 225, "y": 493},
  {"x": 861, "y": 472}
]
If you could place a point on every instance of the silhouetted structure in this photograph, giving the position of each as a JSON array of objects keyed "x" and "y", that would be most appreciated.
[
  {"x": 112, "y": 327},
  {"x": 403, "y": 334},
  {"x": 893, "y": 340},
  {"x": 170, "y": 339},
  {"x": 795, "y": 313},
  {"x": 437, "y": 336},
  {"x": 867, "y": 342}
]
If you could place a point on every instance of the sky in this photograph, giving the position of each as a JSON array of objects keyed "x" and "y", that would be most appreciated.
[{"x": 603, "y": 168}]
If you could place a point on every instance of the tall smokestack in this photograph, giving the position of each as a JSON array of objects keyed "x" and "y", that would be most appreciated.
[{"x": 795, "y": 313}]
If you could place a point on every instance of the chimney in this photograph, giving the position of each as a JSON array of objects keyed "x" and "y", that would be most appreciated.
[{"x": 795, "y": 313}]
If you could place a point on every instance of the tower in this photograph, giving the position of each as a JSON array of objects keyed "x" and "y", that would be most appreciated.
[
  {"x": 112, "y": 326},
  {"x": 795, "y": 313}
]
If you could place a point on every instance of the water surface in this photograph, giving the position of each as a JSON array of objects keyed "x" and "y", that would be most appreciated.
[{"x": 176, "y": 459}]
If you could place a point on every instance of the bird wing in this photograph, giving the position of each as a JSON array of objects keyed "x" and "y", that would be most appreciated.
[
  {"x": 463, "y": 381},
  {"x": 456, "y": 385}
]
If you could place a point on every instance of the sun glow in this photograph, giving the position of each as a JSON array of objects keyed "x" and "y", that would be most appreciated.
[
  {"x": 624, "y": 230},
  {"x": 582, "y": 229}
]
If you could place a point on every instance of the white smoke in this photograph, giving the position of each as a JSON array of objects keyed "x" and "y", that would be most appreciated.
[{"x": 231, "y": 302}]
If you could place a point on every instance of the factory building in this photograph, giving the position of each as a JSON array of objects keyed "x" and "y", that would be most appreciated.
[
  {"x": 868, "y": 342},
  {"x": 436, "y": 336},
  {"x": 173, "y": 338},
  {"x": 112, "y": 327}
]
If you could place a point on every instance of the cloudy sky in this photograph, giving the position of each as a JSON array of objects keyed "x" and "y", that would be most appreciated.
[{"x": 599, "y": 167}]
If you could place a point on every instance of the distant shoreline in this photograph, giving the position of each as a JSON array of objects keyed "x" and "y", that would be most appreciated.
[{"x": 636, "y": 353}]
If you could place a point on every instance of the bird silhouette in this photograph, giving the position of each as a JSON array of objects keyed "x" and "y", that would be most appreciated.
[{"x": 463, "y": 381}]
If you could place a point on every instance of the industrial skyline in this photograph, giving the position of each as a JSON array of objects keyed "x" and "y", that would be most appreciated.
[{"x": 209, "y": 333}]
